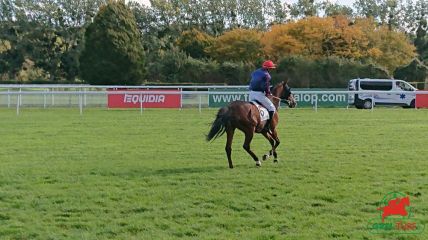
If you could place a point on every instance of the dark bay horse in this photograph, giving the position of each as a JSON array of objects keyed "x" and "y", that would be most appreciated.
[{"x": 245, "y": 116}]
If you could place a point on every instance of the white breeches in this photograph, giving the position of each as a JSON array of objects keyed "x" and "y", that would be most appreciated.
[{"x": 261, "y": 98}]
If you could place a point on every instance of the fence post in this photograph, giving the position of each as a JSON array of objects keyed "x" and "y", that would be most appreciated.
[
  {"x": 8, "y": 98},
  {"x": 316, "y": 102},
  {"x": 80, "y": 104},
  {"x": 44, "y": 99},
  {"x": 372, "y": 102},
  {"x": 181, "y": 95},
  {"x": 17, "y": 106},
  {"x": 20, "y": 97},
  {"x": 200, "y": 103},
  {"x": 69, "y": 100},
  {"x": 53, "y": 97},
  {"x": 141, "y": 104},
  {"x": 84, "y": 97}
]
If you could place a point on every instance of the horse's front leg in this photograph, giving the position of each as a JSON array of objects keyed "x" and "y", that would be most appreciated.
[
  {"x": 249, "y": 134},
  {"x": 272, "y": 143}
]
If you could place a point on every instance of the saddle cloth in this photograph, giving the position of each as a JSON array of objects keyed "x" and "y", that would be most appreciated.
[{"x": 264, "y": 114}]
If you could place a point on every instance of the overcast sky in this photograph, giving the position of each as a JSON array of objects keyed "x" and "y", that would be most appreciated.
[{"x": 343, "y": 2}]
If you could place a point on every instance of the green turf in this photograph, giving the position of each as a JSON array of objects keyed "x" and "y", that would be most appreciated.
[{"x": 116, "y": 174}]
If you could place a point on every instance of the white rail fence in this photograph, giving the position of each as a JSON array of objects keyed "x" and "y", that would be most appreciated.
[{"x": 81, "y": 96}]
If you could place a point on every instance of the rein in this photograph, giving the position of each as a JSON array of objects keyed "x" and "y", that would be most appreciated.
[
  {"x": 276, "y": 97},
  {"x": 281, "y": 100}
]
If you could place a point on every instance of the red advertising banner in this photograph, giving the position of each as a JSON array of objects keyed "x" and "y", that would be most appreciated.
[
  {"x": 148, "y": 100},
  {"x": 421, "y": 100}
]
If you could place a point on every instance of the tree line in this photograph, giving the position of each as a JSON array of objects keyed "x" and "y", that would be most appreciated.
[{"x": 317, "y": 44}]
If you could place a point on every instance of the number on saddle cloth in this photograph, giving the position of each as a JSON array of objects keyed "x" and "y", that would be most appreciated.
[{"x": 264, "y": 114}]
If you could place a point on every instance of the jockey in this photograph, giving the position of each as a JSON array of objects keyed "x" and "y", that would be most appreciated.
[{"x": 260, "y": 89}]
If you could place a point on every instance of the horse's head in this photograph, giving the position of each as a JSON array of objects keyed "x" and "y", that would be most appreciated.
[
  {"x": 405, "y": 201},
  {"x": 286, "y": 95}
]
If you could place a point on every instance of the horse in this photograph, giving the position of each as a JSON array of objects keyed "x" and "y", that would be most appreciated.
[
  {"x": 245, "y": 116},
  {"x": 395, "y": 207}
]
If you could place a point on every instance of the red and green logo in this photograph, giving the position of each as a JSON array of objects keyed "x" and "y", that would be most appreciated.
[{"x": 395, "y": 216}]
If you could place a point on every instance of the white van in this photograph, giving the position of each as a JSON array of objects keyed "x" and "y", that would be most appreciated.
[{"x": 381, "y": 92}]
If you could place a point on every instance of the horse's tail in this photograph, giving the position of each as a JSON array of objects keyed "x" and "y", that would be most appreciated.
[{"x": 218, "y": 127}]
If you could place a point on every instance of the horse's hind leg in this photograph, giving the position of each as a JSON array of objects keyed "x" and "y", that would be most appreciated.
[
  {"x": 277, "y": 142},
  {"x": 248, "y": 138},
  {"x": 272, "y": 143},
  {"x": 228, "y": 147}
]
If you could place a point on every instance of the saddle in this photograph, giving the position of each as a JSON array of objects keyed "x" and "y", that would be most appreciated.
[{"x": 264, "y": 114}]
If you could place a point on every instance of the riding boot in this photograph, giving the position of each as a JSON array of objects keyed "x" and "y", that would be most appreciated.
[{"x": 269, "y": 121}]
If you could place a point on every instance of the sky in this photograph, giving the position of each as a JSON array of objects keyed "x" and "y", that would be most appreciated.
[{"x": 342, "y": 2}]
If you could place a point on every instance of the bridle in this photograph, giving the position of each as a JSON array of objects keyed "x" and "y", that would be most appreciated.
[{"x": 280, "y": 99}]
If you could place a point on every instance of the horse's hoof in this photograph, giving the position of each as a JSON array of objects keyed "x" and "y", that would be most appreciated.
[
  {"x": 230, "y": 167},
  {"x": 258, "y": 164},
  {"x": 275, "y": 161},
  {"x": 265, "y": 157}
]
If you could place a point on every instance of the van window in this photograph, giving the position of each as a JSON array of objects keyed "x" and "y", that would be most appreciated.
[
  {"x": 404, "y": 86},
  {"x": 374, "y": 85}
]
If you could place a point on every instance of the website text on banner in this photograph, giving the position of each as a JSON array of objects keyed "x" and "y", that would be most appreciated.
[
  {"x": 150, "y": 100},
  {"x": 303, "y": 99},
  {"x": 320, "y": 99},
  {"x": 221, "y": 100}
]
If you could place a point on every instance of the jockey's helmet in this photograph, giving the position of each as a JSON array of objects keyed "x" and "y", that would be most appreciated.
[{"x": 268, "y": 64}]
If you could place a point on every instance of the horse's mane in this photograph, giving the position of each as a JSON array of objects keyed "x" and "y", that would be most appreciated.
[{"x": 275, "y": 88}]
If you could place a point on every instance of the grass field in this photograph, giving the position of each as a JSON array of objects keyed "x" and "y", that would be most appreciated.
[{"x": 119, "y": 175}]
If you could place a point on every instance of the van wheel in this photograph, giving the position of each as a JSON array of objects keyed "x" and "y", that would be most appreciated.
[
  {"x": 412, "y": 104},
  {"x": 367, "y": 104}
]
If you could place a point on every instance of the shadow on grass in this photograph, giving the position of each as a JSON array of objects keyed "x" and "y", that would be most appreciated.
[
  {"x": 187, "y": 170},
  {"x": 164, "y": 172}
]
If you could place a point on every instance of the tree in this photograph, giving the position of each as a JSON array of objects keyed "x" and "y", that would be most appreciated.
[
  {"x": 4, "y": 46},
  {"x": 386, "y": 48},
  {"x": 324, "y": 72},
  {"x": 416, "y": 71},
  {"x": 7, "y": 9},
  {"x": 194, "y": 43},
  {"x": 113, "y": 52},
  {"x": 417, "y": 18},
  {"x": 279, "y": 12},
  {"x": 279, "y": 42},
  {"x": 237, "y": 45},
  {"x": 334, "y": 9},
  {"x": 305, "y": 8},
  {"x": 315, "y": 37},
  {"x": 367, "y": 8},
  {"x": 421, "y": 40},
  {"x": 392, "y": 13},
  {"x": 44, "y": 35}
]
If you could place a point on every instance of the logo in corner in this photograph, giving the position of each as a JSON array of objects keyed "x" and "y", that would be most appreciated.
[{"x": 395, "y": 216}]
